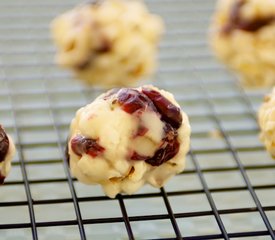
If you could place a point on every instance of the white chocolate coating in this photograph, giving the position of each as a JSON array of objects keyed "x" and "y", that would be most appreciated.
[
  {"x": 116, "y": 131},
  {"x": 111, "y": 43},
  {"x": 250, "y": 54},
  {"x": 266, "y": 117}
]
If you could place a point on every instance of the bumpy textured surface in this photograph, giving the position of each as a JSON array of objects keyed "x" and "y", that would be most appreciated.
[
  {"x": 128, "y": 137},
  {"x": 266, "y": 118},
  {"x": 243, "y": 37},
  {"x": 108, "y": 43},
  {"x": 7, "y": 150}
]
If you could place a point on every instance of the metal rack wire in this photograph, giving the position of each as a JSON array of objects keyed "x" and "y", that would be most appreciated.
[{"x": 228, "y": 188}]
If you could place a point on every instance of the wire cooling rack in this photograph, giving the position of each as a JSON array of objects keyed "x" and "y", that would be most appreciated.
[{"x": 228, "y": 188}]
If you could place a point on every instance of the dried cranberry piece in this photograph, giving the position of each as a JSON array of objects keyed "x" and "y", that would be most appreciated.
[
  {"x": 81, "y": 144},
  {"x": 255, "y": 24},
  {"x": 236, "y": 22},
  {"x": 164, "y": 154},
  {"x": 168, "y": 149},
  {"x": 169, "y": 112},
  {"x": 132, "y": 100},
  {"x": 83, "y": 65},
  {"x": 2, "y": 179},
  {"x": 141, "y": 131},
  {"x": 106, "y": 46},
  {"x": 136, "y": 157},
  {"x": 4, "y": 144}
]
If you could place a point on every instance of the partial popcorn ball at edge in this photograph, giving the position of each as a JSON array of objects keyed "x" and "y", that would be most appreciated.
[
  {"x": 7, "y": 151},
  {"x": 242, "y": 36},
  {"x": 266, "y": 118}
]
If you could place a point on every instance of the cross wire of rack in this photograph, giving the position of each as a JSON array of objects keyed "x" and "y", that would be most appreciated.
[{"x": 228, "y": 188}]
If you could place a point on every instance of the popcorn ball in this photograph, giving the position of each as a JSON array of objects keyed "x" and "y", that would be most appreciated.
[
  {"x": 129, "y": 137},
  {"x": 109, "y": 42},
  {"x": 7, "y": 150},
  {"x": 243, "y": 37},
  {"x": 266, "y": 117}
]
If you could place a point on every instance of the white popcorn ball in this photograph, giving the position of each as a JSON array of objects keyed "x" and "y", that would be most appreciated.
[
  {"x": 109, "y": 42},
  {"x": 129, "y": 137}
]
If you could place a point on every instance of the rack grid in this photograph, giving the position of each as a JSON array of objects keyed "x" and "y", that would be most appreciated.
[{"x": 228, "y": 188}]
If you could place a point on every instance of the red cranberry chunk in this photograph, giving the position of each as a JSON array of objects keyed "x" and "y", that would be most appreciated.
[
  {"x": 106, "y": 46},
  {"x": 236, "y": 22},
  {"x": 2, "y": 179},
  {"x": 169, "y": 112},
  {"x": 132, "y": 100},
  {"x": 81, "y": 144},
  {"x": 141, "y": 131},
  {"x": 164, "y": 154},
  {"x": 255, "y": 24},
  {"x": 135, "y": 156},
  {"x": 4, "y": 144},
  {"x": 168, "y": 149},
  {"x": 83, "y": 65}
]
